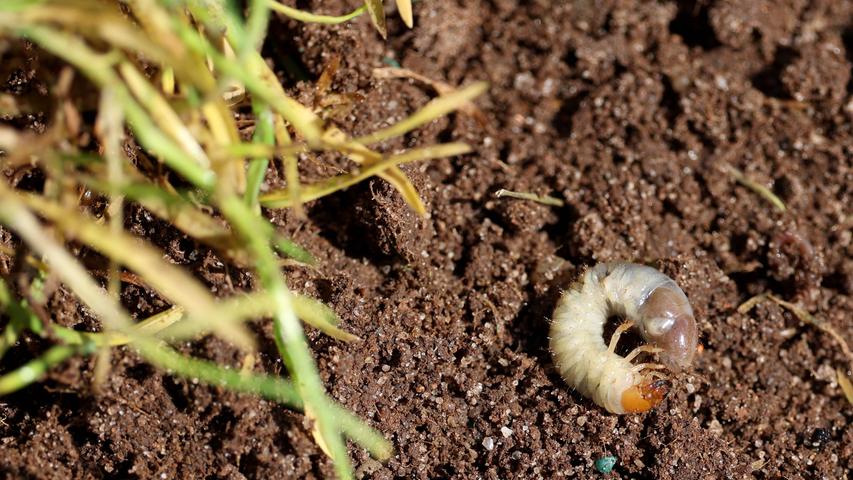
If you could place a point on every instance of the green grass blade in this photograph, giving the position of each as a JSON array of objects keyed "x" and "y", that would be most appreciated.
[
  {"x": 214, "y": 374},
  {"x": 256, "y": 27},
  {"x": 17, "y": 5},
  {"x": 290, "y": 339},
  {"x": 362, "y": 434},
  {"x": 258, "y": 166},
  {"x": 175, "y": 209},
  {"x": 260, "y": 304},
  {"x": 289, "y": 248},
  {"x": 21, "y": 318},
  {"x": 15, "y": 216},
  {"x": 309, "y": 17},
  {"x": 24, "y": 224},
  {"x": 36, "y": 368},
  {"x": 191, "y": 70},
  {"x": 181, "y": 213}
]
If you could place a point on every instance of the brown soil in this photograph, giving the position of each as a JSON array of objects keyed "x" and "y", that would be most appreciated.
[{"x": 627, "y": 110}]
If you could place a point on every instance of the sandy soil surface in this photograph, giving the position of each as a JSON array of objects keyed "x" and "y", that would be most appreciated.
[{"x": 630, "y": 112}]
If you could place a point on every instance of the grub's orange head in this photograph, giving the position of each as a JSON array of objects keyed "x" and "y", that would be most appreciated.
[{"x": 644, "y": 397}]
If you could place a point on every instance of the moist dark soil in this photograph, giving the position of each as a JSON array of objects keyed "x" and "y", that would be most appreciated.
[{"x": 630, "y": 112}]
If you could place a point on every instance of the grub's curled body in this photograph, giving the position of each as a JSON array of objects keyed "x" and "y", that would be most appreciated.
[{"x": 647, "y": 300}]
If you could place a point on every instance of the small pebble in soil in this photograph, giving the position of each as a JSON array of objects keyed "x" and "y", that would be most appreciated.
[
  {"x": 488, "y": 443},
  {"x": 605, "y": 464},
  {"x": 506, "y": 432},
  {"x": 819, "y": 438},
  {"x": 391, "y": 62}
]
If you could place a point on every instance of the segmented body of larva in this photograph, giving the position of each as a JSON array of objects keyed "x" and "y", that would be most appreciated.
[{"x": 646, "y": 299}]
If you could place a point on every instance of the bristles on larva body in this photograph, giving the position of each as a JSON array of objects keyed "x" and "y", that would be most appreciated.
[{"x": 643, "y": 295}]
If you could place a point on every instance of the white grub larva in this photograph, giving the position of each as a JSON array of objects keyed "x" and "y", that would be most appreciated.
[{"x": 648, "y": 300}]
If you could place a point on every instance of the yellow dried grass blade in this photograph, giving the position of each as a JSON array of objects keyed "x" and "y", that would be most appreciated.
[
  {"x": 436, "y": 108},
  {"x": 167, "y": 81},
  {"x": 748, "y": 305},
  {"x": 321, "y": 317},
  {"x": 150, "y": 327},
  {"x": 440, "y": 87},
  {"x": 377, "y": 15},
  {"x": 291, "y": 165},
  {"x": 543, "y": 199},
  {"x": 822, "y": 325},
  {"x": 300, "y": 116},
  {"x": 404, "y": 8},
  {"x": 162, "y": 113},
  {"x": 186, "y": 68},
  {"x": 18, "y": 218},
  {"x": 231, "y": 171},
  {"x": 260, "y": 304},
  {"x": 846, "y": 385},
  {"x": 258, "y": 79},
  {"x": 171, "y": 281},
  {"x": 364, "y": 156},
  {"x": 756, "y": 187},
  {"x": 281, "y": 199},
  {"x": 810, "y": 319},
  {"x": 402, "y": 184},
  {"x": 189, "y": 220},
  {"x": 101, "y": 20}
]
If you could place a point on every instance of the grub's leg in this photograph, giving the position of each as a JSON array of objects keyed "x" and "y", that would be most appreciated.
[
  {"x": 618, "y": 333},
  {"x": 641, "y": 349},
  {"x": 657, "y": 374},
  {"x": 648, "y": 366}
]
